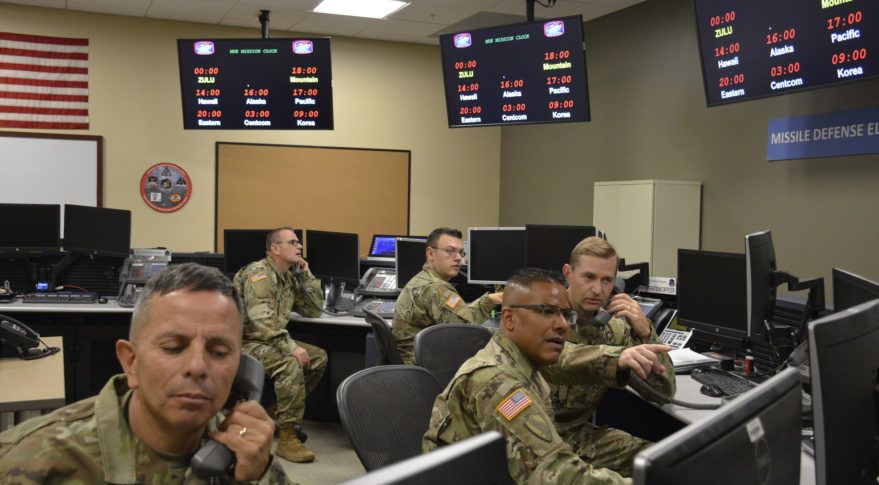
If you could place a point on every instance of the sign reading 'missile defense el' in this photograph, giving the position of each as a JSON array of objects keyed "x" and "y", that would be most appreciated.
[{"x": 836, "y": 134}]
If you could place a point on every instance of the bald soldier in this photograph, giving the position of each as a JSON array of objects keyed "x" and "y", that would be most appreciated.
[
  {"x": 180, "y": 360},
  {"x": 428, "y": 298},
  {"x": 591, "y": 274},
  {"x": 501, "y": 389}
]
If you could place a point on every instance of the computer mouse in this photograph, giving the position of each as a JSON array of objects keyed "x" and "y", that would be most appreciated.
[
  {"x": 102, "y": 300},
  {"x": 711, "y": 390}
]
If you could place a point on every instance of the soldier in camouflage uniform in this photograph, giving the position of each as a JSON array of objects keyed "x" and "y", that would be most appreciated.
[
  {"x": 180, "y": 361},
  {"x": 428, "y": 298},
  {"x": 591, "y": 274},
  {"x": 501, "y": 389},
  {"x": 270, "y": 292}
]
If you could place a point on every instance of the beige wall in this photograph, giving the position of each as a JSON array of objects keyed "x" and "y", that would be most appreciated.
[
  {"x": 650, "y": 121},
  {"x": 386, "y": 95}
]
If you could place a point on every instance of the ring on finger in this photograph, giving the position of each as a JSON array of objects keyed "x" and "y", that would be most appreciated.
[{"x": 242, "y": 432}]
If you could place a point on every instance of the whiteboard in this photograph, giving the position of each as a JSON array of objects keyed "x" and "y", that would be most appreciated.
[{"x": 40, "y": 168}]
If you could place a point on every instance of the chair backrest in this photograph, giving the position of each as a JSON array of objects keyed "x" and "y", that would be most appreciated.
[
  {"x": 387, "y": 344},
  {"x": 442, "y": 349},
  {"x": 386, "y": 410}
]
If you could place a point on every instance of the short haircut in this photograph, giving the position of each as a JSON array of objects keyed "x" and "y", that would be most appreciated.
[
  {"x": 274, "y": 236},
  {"x": 523, "y": 279},
  {"x": 593, "y": 246},
  {"x": 442, "y": 231},
  {"x": 186, "y": 276}
]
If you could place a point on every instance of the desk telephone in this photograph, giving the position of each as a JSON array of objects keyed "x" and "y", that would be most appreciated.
[
  {"x": 379, "y": 282},
  {"x": 214, "y": 459},
  {"x": 22, "y": 339}
]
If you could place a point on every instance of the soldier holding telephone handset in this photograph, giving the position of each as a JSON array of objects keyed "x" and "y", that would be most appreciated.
[{"x": 145, "y": 426}]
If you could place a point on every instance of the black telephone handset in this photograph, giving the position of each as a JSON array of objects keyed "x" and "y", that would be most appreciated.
[
  {"x": 19, "y": 337},
  {"x": 214, "y": 459},
  {"x": 603, "y": 316}
]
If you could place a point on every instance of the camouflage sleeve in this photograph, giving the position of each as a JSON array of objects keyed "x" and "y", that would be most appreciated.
[
  {"x": 664, "y": 383},
  {"x": 535, "y": 451},
  {"x": 585, "y": 364},
  {"x": 309, "y": 298},
  {"x": 444, "y": 305},
  {"x": 263, "y": 323},
  {"x": 480, "y": 309},
  {"x": 274, "y": 474},
  {"x": 34, "y": 460}
]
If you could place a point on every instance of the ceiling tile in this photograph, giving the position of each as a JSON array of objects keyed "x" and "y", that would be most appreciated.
[
  {"x": 322, "y": 23},
  {"x": 465, "y": 4},
  {"x": 243, "y": 15},
  {"x": 205, "y": 11},
  {"x": 402, "y": 28},
  {"x": 432, "y": 14},
  {"x": 134, "y": 8},
  {"x": 40, "y": 3},
  {"x": 281, "y": 4}
]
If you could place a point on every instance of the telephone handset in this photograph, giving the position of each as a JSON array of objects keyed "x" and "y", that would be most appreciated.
[
  {"x": 214, "y": 459},
  {"x": 22, "y": 339}
]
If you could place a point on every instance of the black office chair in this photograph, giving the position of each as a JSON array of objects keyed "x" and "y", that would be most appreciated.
[
  {"x": 442, "y": 349},
  {"x": 385, "y": 411},
  {"x": 387, "y": 344}
]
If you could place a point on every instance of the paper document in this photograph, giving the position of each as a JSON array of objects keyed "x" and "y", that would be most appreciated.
[{"x": 686, "y": 359}]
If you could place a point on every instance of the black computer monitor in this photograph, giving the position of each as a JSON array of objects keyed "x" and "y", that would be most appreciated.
[
  {"x": 97, "y": 230},
  {"x": 409, "y": 260},
  {"x": 850, "y": 289},
  {"x": 333, "y": 256},
  {"x": 759, "y": 266},
  {"x": 495, "y": 253},
  {"x": 711, "y": 292},
  {"x": 479, "y": 460},
  {"x": 549, "y": 246},
  {"x": 29, "y": 228},
  {"x": 244, "y": 246},
  {"x": 383, "y": 246},
  {"x": 753, "y": 439},
  {"x": 843, "y": 365}
]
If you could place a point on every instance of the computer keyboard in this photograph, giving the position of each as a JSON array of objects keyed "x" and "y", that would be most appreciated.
[
  {"x": 729, "y": 383},
  {"x": 384, "y": 308},
  {"x": 61, "y": 297}
]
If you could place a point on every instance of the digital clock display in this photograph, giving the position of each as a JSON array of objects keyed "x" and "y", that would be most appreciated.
[
  {"x": 256, "y": 84},
  {"x": 757, "y": 48},
  {"x": 525, "y": 73}
]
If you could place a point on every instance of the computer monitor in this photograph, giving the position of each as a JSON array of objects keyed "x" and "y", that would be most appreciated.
[
  {"x": 29, "y": 228},
  {"x": 753, "y": 439},
  {"x": 549, "y": 246},
  {"x": 333, "y": 256},
  {"x": 479, "y": 460},
  {"x": 409, "y": 260},
  {"x": 843, "y": 367},
  {"x": 244, "y": 246},
  {"x": 97, "y": 230},
  {"x": 711, "y": 292},
  {"x": 495, "y": 253},
  {"x": 850, "y": 289},
  {"x": 383, "y": 247},
  {"x": 759, "y": 266}
]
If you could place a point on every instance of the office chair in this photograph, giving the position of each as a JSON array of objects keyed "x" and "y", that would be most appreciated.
[
  {"x": 442, "y": 349},
  {"x": 385, "y": 410},
  {"x": 387, "y": 344}
]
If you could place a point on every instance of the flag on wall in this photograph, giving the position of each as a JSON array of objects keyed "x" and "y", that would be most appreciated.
[{"x": 43, "y": 82}]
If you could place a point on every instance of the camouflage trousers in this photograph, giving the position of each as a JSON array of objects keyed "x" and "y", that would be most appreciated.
[
  {"x": 292, "y": 384},
  {"x": 605, "y": 447}
]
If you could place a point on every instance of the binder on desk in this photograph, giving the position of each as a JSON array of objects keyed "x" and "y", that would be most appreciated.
[{"x": 686, "y": 360}]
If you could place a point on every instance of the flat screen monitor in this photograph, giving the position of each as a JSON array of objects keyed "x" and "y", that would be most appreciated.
[
  {"x": 97, "y": 230},
  {"x": 333, "y": 256},
  {"x": 244, "y": 246},
  {"x": 383, "y": 246},
  {"x": 549, "y": 247},
  {"x": 409, "y": 259},
  {"x": 711, "y": 292},
  {"x": 759, "y": 265},
  {"x": 850, "y": 289},
  {"x": 753, "y": 439},
  {"x": 256, "y": 84},
  {"x": 495, "y": 253},
  {"x": 479, "y": 460},
  {"x": 756, "y": 48},
  {"x": 29, "y": 228},
  {"x": 843, "y": 366},
  {"x": 526, "y": 73}
]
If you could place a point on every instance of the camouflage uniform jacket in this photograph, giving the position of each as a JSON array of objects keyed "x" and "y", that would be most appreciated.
[
  {"x": 500, "y": 389},
  {"x": 575, "y": 405},
  {"x": 427, "y": 300},
  {"x": 269, "y": 296},
  {"x": 89, "y": 442}
]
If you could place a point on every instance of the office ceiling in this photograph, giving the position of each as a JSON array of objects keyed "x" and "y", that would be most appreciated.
[{"x": 420, "y": 22}]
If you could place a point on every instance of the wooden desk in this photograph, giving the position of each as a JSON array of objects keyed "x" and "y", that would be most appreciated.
[{"x": 33, "y": 384}]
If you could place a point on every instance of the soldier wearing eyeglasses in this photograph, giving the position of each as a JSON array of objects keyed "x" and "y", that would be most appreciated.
[
  {"x": 504, "y": 386},
  {"x": 429, "y": 299},
  {"x": 270, "y": 292}
]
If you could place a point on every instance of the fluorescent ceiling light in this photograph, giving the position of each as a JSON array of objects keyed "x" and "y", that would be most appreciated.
[{"x": 376, "y": 9}]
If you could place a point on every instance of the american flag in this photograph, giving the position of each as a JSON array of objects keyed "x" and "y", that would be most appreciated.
[
  {"x": 43, "y": 82},
  {"x": 514, "y": 404}
]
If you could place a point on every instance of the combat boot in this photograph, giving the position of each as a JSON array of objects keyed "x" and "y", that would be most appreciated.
[{"x": 290, "y": 448}]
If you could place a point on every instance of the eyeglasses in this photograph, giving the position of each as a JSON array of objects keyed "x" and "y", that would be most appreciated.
[
  {"x": 451, "y": 251},
  {"x": 552, "y": 311},
  {"x": 292, "y": 242}
]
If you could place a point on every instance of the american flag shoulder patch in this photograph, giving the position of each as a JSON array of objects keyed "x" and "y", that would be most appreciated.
[
  {"x": 453, "y": 301},
  {"x": 257, "y": 277},
  {"x": 514, "y": 404}
]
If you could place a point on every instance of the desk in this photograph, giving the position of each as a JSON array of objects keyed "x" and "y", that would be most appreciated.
[{"x": 33, "y": 384}]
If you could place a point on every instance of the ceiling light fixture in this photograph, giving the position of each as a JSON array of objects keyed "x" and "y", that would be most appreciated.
[{"x": 376, "y": 9}]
